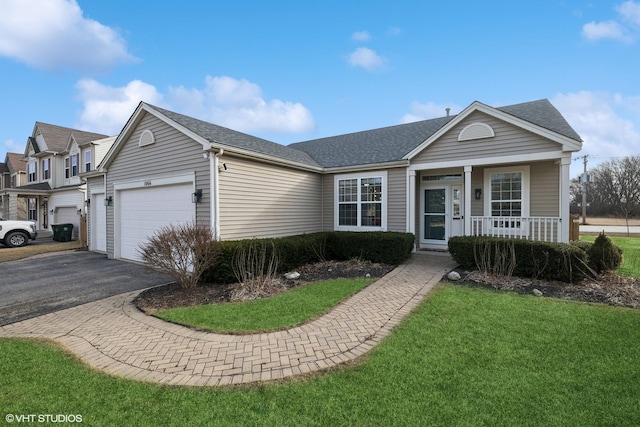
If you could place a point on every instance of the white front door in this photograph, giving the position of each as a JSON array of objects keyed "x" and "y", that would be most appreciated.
[{"x": 442, "y": 214}]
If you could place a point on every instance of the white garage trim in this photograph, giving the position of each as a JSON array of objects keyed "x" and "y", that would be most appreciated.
[
  {"x": 98, "y": 236},
  {"x": 163, "y": 200}
]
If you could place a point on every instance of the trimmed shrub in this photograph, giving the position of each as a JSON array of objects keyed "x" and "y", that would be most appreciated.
[
  {"x": 581, "y": 244},
  {"x": 545, "y": 260},
  {"x": 294, "y": 251},
  {"x": 383, "y": 247},
  {"x": 604, "y": 255}
]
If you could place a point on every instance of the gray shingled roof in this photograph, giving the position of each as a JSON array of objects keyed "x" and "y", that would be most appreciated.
[
  {"x": 15, "y": 163},
  {"x": 57, "y": 137},
  {"x": 543, "y": 114},
  {"x": 395, "y": 142},
  {"x": 368, "y": 147},
  {"x": 231, "y": 138}
]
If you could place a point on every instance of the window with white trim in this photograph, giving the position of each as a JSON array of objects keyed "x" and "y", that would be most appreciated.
[
  {"x": 32, "y": 168},
  {"x": 87, "y": 161},
  {"x": 32, "y": 210},
  {"x": 507, "y": 195},
  {"x": 46, "y": 168},
  {"x": 361, "y": 201},
  {"x": 67, "y": 171},
  {"x": 75, "y": 158}
]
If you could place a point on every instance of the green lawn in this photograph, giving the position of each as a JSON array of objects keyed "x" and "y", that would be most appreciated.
[
  {"x": 278, "y": 312},
  {"x": 631, "y": 253},
  {"x": 466, "y": 357}
]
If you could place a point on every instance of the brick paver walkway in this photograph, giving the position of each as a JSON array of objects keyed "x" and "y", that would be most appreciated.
[{"x": 113, "y": 336}]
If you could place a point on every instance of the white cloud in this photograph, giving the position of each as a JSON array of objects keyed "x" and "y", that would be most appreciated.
[
  {"x": 225, "y": 101},
  {"x": 106, "y": 109},
  {"x": 361, "y": 36},
  {"x": 55, "y": 34},
  {"x": 239, "y": 105},
  {"x": 429, "y": 110},
  {"x": 609, "y": 124},
  {"x": 12, "y": 146},
  {"x": 604, "y": 30},
  {"x": 629, "y": 12},
  {"x": 365, "y": 58}
]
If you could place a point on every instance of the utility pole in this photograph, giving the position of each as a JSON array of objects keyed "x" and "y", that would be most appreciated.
[{"x": 584, "y": 180}]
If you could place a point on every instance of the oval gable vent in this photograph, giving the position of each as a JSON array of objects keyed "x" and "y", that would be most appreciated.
[
  {"x": 476, "y": 131},
  {"x": 146, "y": 138}
]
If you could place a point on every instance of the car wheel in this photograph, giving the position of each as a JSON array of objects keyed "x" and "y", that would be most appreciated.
[{"x": 15, "y": 239}]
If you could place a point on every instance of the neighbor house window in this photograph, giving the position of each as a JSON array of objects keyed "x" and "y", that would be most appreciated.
[
  {"x": 67, "y": 171},
  {"x": 46, "y": 169},
  {"x": 32, "y": 209},
  {"x": 32, "y": 171},
  {"x": 87, "y": 161},
  {"x": 507, "y": 195},
  {"x": 74, "y": 164},
  {"x": 361, "y": 201}
]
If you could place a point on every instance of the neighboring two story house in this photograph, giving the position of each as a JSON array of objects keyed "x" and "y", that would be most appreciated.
[
  {"x": 13, "y": 174},
  {"x": 54, "y": 158},
  {"x": 486, "y": 171}
]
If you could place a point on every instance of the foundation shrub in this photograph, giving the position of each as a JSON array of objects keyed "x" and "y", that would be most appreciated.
[
  {"x": 604, "y": 255},
  {"x": 543, "y": 260},
  {"x": 294, "y": 251}
]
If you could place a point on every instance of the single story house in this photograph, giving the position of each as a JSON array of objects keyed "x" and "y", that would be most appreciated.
[{"x": 489, "y": 171}]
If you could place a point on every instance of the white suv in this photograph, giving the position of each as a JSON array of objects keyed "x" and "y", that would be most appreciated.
[{"x": 17, "y": 233}]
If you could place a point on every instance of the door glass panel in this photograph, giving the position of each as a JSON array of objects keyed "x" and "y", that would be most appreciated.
[
  {"x": 434, "y": 218},
  {"x": 456, "y": 202}
]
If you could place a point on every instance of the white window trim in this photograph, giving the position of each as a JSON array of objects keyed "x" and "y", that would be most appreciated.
[
  {"x": 336, "y": 195},
  {"x": 525, "y": 189}
]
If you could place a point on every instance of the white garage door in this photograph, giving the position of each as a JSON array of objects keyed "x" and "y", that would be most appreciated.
[
  {"x": 145, "y": 210},
  {"x": 68, "y": 215}
]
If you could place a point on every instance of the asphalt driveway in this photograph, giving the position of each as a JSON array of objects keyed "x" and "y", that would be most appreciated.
[{"x": 52, "y": 282}]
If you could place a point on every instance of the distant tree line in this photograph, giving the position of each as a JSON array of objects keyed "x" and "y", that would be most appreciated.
[{"x": 615, "y": 190}]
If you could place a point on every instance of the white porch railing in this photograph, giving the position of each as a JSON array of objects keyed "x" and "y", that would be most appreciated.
[{"x": 545, "y": 229}]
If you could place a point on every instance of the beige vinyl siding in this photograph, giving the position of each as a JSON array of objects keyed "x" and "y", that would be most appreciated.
[
  {"x": 544, "y": 188},
  {"x": 477, "y": 181},
  {"x": 397, "y": 199},
  {"x": 264, "y": 200},
  {"x": 172, "y": 154},
  {"x": 509, "y": 140},
  {"x": 328, "y": 200}
]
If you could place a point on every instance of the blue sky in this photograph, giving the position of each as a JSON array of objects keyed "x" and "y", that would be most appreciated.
[{"x": 293, "y": 70}]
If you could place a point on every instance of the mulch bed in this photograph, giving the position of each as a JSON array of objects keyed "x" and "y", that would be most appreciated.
[
  {"x": 172, "y": 295},
  {"x": 611, "y": 289}
]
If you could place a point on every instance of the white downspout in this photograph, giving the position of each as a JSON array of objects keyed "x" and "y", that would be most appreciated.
[{"x": 215, "y": 193}]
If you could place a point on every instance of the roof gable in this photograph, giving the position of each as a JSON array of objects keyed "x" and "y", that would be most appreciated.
[
  {"x": 539, "y": 117},
  {"x": 57, "y": 138},
  {"x": 15, "y": 164},
  {"x": 210, "y": 136}
]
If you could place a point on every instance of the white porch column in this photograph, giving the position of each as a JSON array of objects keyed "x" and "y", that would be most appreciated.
[
  {"x": 411, "y": 201},
  {"x": 12, "y": 214},
  {"x": 467, "y": 200},
  {"x": 565, "y": 180}
]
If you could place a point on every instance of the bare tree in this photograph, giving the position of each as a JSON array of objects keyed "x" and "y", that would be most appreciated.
[{"x": 617, "y": 187}]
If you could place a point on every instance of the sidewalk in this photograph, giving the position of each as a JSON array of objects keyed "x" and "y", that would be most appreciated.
[
  {"x": 608, "y": 229},
  {"x": 113, "y": 336}
]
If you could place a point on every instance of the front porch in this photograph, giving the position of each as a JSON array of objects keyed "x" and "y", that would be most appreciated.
[{"x": 513, "y": 200}]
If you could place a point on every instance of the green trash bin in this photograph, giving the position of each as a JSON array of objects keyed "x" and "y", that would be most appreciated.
[
  {"x": 65, "y": 232},
  {"x": 57, "y": 228}
]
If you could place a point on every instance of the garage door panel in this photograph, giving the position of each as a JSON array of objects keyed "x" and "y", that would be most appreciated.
[{"x": 145, "y": 210}]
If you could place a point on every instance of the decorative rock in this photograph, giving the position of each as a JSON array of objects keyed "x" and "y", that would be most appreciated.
[
  {"x": 537, "y": 292},
  {"x": 367, "y": 275},
  {"x": 292, "y": 275},
  {"x": 454, "y": 275}
]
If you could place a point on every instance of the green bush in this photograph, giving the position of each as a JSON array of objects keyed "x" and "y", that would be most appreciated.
[
  {"x": 581, "y": 244},
  {"x": 604, "y": 255},
  {"x": 544, "y": 260},
  {"x": 294, "y": 251}
]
